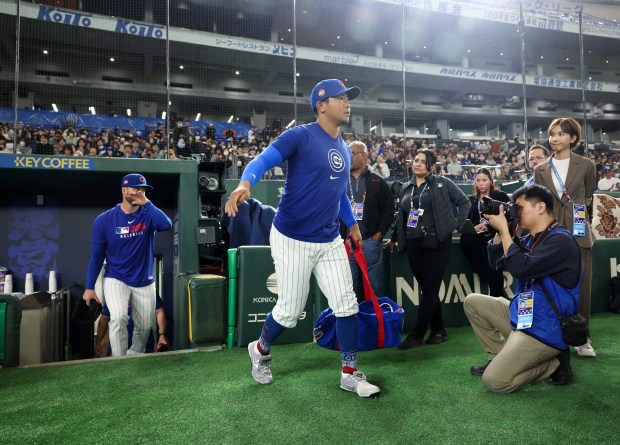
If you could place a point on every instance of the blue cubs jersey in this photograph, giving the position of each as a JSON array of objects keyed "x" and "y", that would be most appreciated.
[
  {"x": 318, "y": 170},
  {"x": 129, "y": 241}
]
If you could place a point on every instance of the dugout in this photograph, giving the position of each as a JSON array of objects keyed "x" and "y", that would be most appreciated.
[{"x": 47, "y": 208}]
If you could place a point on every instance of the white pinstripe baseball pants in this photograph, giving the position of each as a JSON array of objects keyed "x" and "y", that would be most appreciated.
[
  {"x": 295, "y": 261},
  {"x": 118, "y": 295}
]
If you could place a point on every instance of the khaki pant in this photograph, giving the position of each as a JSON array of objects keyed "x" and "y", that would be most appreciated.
[{"x": 517, "y": 358}]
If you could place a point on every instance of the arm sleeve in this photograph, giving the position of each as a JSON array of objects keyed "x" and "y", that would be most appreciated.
[
  {"x": 160, "y": 220},
  {"x": 94, "y": 265},
  {"x": 257, "y": 168},
  {"x": 346, "y": 212}
]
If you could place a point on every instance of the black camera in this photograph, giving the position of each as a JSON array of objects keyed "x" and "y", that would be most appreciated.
[{"x": 491, "y": 207}]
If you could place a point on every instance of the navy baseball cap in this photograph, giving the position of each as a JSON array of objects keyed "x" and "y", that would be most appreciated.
[
  {"x": 135, "y": 180},
  {"x": 331, "y": 88}
]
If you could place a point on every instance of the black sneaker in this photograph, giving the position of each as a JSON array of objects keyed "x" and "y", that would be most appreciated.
[
  {"x": 413, "y": 340},
  {"x": 564, "y": 374},
  {"x": 437, "y": 337},
  {"x": 478, "y": 370}
]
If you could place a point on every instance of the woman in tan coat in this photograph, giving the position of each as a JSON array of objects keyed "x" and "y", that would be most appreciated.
[{"x": 572, "y": 181}]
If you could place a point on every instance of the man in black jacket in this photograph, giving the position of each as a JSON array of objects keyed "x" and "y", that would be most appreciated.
[{"x": 373, "y": 208}]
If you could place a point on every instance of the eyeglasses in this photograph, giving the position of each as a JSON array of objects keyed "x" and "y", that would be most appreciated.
[{"x": 353, "y": 153}]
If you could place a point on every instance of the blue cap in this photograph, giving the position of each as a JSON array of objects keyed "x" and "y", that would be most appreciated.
[
  {"x": 135, "y": 180},
  {"x": 331, "y": 88}
]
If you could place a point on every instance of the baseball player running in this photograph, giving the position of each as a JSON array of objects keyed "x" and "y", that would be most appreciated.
[
  {"x": 304, "y": 237},
  {"x": 124, "y": 236}
]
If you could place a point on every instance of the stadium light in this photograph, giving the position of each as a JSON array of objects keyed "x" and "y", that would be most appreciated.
[{"x": 55, "y": 108}]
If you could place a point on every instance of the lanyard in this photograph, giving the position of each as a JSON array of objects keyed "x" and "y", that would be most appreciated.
[
  {"x": 557, "y": 175},
  {"x": 351, "y": 190},
  {"x": 419, "y": 197}
]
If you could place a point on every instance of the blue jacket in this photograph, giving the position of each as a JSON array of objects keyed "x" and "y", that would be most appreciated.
[
  {"x": 546, "y": 324},
  {"x": 251, "y": 226}
]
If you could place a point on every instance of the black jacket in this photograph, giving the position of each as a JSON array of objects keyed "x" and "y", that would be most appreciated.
[
  {"x": 378, "y": 206},
  {"x": 450, "y": 209}
]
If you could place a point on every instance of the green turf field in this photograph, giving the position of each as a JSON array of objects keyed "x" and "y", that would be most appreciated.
[{"x": 200, "y": 397}]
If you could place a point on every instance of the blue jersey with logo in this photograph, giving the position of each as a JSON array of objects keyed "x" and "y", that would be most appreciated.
[
  {"x": 318, "y": 170},
  {"x": 129, "y": 241}
]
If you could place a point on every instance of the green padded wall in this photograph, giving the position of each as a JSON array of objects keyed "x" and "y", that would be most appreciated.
[{"x": 257, "y": 294}]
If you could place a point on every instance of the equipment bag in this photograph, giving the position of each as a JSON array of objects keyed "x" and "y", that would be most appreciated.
[
  {"x": 575, "y": 329},
  {"x": 380, "y": 320},
  {"x": 614, "y": 294}
]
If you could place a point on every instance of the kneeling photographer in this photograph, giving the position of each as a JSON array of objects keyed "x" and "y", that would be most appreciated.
[{"x": 523, "y": 337}]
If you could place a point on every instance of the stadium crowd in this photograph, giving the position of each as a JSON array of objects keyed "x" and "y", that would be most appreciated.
[{"x": 388, "y": 156}]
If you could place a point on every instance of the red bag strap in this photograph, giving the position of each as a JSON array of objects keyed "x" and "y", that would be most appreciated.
[{"x": 369, "y": 294}]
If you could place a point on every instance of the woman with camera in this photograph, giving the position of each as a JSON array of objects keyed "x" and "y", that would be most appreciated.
[
  {"x": 572, "y": 181},
  {"x": 474, "y": 245},
  {"x": 425, "y": 221}
]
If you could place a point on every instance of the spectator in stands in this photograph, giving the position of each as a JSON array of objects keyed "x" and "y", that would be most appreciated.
[
  {"x": 495, "y": 146},
  {"x": 3, "y": 147},
  {"x": 188, "y": 131},
  {"x": 68, "y": 150},
  {"x": 506, "y": 173},
  {"x": 229, "y": 134},
  {"x": 6, "y": 132},
  {"x": 210, "y": 132},
  {"x": 81, "y": 145},
  {"x": 160, "y": 131},
  {"x": 157, "y": 154},
  {"x": 44, "y": 147},
  {"x": 381, "y": 168},
  {"x": 179, "y": 132},
  {"x": 608, "y": 182},
  {"x": 199, "y": 145},
  {"x": 23, "y": 133},
  {"x": 454, "y": 170},
  {"x": 127, "y": 152},
  {"x": 147, "y": 153},
  {"x": 70, "y": 137},
  {"x": 59, "y": 146}
]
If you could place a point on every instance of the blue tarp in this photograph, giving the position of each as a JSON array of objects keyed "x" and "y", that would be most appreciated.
[{"x": 98, "y": 122}]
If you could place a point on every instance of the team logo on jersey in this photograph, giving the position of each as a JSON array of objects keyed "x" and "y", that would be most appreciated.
[
  {"x": 131, "y": 231},
  {"x": 336, "y": 161}
]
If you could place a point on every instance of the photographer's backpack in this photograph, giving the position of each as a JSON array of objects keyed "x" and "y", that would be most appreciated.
[{"x": 614, "y": 293}]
